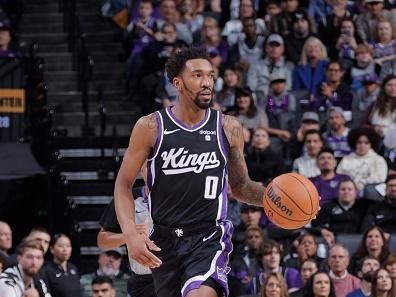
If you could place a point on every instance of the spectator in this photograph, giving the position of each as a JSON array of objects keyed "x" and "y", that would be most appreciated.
[
  {"x": 245, "y": 267},
  {"x": 190, "y": 16},
  {"x": 302, "y": 29},
  {"x": 306, "y": 164},
  {"x": 283, "y": 23},
  {"x": 369, "y": 266},
  {"x": 390, "y": 265},
  {"x": 22, "y": 280},
  {"x": 262, "y": 162},
  {"x": 3, "y": 262},
  {"x": 233, "y": 28},
  {"x": 367, "y": 21},
  {"x": 274, "y": 286},
  {"x": 384, "y": 45},
  {"x": 259, "y": 74},
  {"x": 102, "y": 286},
  {"x": 309, "y": 267},
  {"x": 344, "y": 214},
  {"x": 6, "y": 47},
  {"x": 273, "y": 8},
  {"x": 328, "y": 181},
  {"x": 109, "y": 263},
  {"x": 169, "y": 14},
  {"x": 61, "y": 276},
  {"x": 382, "y": 113},
  {"x": 364, "y": 64},
  {"x": 310, "y": 72},
  {"x": 337, "y": 135},
  {"x": 246, "y": 111},
  {"x": 320, "y": 285},
  {"x": 232, "y": 80},
  {"x": 382, "y": 285},
  {"x": 343, "y": 281},
  {"x": 333, "y": 91},
  {"x": 248, "y": 49},
  {"x": 374, "y": 243},
  {"x": 363, "y": 165},
  {"x": 281, "y": 105},
  {"x": 309, "y": 121},
  {"x": 233, "y": 208},
  {"x": 388, "y": 68},
  {"x": 5, "y": 238},
  {"x": 383, "y": 214},
  {"x": 365, "y": 97},
  {"x": 269, "y": 256}
]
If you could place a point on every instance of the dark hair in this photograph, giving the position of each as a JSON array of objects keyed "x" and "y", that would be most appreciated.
[
  {"x": 362, "y": 251},
  {"x": 102, "y": 279},
  {"x": 324, "y": 150},
  {"x": 245, "y": 92},
  {"x": 3, "y": 260},
  {"x": 355, "y": 31},
  {"x": 309, "y": 286},
  {"x": 39, "y": 229},
  {"x": 335, "y": 62},
  {"x": 266, "y": 249},
  {"x": 313, "y": 131},
  {"x": 176, "y": 63},
  {"x": 56, "y": 237},
  {"x": 390, "y": 177},
  {"x": 309, "y": 259},
  {"x": 225, "y": 88},
  {"x": 365, "y": 259},
  {"x": 374, "y": 284},
  {"x": 249, "y": 18},
  {"x": 383, "y": 101},
  {"x": 356, "y": 133},
  {"x": 28, "y": 243},
  {"x": 391, "y": 259}
]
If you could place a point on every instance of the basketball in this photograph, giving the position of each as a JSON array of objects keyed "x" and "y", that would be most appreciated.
[{"x": 291, "y": 201}]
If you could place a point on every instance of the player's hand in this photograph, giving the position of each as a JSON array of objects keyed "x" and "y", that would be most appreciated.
[
  {"x": 31, "y": 293},
  {"x": 139, "y": 247}
]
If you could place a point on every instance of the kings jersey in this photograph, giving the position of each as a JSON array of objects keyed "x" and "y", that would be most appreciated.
[{"x": 187, "y": 171}]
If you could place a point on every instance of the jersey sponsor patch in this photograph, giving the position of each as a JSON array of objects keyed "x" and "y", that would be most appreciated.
[{"x": 177, "y": 161}]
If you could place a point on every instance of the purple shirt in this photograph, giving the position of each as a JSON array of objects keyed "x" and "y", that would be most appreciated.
[
  {"x": 328, "y": 189},
  {"x": 338, "y": 144},
  {"x": 291, "y": 275}
]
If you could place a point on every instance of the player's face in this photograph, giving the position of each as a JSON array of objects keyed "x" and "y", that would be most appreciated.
[
  {"x": 384, "y": 281},
  {"x": 321, "y": 285},
  {"x": 197, "y": 82},
  {"x": 347, "y": 193},
  {"x": 42, "y": 238},
  {"x": 102, "y": 290},
  {"x": 370, "y": 265},
  {"x": 62, "y": 249},
  {"x": 307, "y": 269},
  {"x": 374, "y": 241},
  {"x": 31, "y": 261},
  {"x": 273, "y": 287}
]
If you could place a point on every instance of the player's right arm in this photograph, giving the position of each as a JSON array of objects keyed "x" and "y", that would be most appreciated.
[{"x": 141, "y": 142}]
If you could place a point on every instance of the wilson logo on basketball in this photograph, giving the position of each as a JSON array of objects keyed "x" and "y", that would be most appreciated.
[{"x": 277, "y": 201}]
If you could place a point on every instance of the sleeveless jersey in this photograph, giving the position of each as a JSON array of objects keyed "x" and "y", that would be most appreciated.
[{"x": 187, "y": 171}]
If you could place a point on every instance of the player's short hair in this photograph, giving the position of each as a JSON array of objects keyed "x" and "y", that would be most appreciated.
[
  {"x": 176, "y": 63},
  {"x": 102, "y": 279},
  {"x": 26, "y": 244}
]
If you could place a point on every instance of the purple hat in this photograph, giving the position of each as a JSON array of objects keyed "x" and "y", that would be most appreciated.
[{"x": 370, "y": 78}]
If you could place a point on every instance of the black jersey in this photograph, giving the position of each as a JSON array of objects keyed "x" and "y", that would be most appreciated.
[{"x": 187, "y": 171}]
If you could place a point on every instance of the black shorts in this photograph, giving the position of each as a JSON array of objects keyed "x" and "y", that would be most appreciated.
[
  {"x": 191, "y": 258},
  {"x": 141, "y": 285}
]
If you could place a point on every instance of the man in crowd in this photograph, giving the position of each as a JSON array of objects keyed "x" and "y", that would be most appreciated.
[
  {"x": 102, "y": 286},
  {"x": 5, "y": 238},
  {"x": 369, "y": 266}
]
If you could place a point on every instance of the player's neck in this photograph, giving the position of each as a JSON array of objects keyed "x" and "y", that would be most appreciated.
[{"x": 189, "y": 115}]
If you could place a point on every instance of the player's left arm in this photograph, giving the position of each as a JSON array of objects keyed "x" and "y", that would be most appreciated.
[{"x": 242, "y": 187}]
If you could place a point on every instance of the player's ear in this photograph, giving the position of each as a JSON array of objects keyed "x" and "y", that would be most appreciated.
[{"x": 177, "y": 83}]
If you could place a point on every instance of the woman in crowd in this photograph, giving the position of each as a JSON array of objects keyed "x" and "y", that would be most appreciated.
[
  {"x": 382, "y": 285},
  {"x": 320, "y": 285},
  {"x": 382, "y": 112},
  {"x": 384, "y": 47},
  {"x": 190, "y": 16},
  {"x": 312, "y": 68},
  {"x": 390, "y": 265},
  {"x": 61, "y": 276},
  {"x": 374, "y": 244},
  {"x": 232, "y": 80},
  {"x": 274, "y": 286},
  {"x": 246, "y": 111},
  {"x": 347, "y": 41},
  {"x": 308, "y": 267},
  {"x": 363, "y": 165}
]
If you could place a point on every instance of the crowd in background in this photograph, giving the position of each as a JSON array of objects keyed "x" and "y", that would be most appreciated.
[{"x": 314, "y": 86}]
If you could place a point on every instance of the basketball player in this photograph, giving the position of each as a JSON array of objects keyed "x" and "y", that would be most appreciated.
[{"x": 192, "y": 151}]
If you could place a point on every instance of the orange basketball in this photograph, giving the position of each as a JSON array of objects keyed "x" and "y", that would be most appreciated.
[{"x": 291, "y": 201}]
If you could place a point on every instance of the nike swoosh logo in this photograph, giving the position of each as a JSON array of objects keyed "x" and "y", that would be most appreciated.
[
  {"x": 166, "y": 132},
  {"x": 209, "y": 237}
]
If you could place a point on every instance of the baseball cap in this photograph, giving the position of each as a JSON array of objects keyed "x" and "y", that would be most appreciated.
[
  {"x": 116, "y": 251},
  {"x": 278, "y": 76},
  {"x": 300, "y": 14},
  {"x": 336, "y": 110},
  {"x": 275, "y": 38},
  {"x": 247, "y": 207},
  {"x": 213, "y": 52},
  {"x": 370, "y": 78},
  {"x": 310, "y": 116}
]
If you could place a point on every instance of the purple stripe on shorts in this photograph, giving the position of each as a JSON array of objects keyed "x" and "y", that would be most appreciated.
[{"x": 207, "y": 113}]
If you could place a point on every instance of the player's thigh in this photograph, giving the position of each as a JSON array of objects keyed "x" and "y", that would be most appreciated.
[{"x": 141, "y": 286}]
